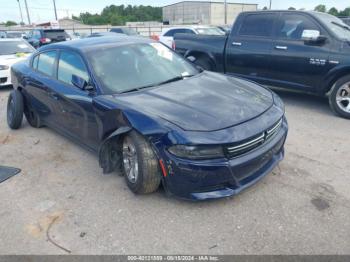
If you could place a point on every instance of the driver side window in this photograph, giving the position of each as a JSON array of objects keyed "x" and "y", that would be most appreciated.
[
  {"x": 71, "y": 64},
  {"x": 291, "y": 26}
]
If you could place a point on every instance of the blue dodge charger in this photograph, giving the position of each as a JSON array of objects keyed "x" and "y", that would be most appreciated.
[{"x": 152, "y": 115}]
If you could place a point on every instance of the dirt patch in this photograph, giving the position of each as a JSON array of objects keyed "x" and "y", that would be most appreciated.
[{"x": 39, "y": 228}]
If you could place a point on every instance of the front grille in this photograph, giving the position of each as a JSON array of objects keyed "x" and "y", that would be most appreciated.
[
  {"x": 241, "y": 148},
  {"x": 3, "y": 80}
]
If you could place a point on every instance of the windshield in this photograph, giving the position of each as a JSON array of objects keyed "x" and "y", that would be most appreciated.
[
  {"x": 209, "y": 31},
  {"x": 15, "y": 47},
  {"x": 129, "y": 67},
  {"x": 336, "y": 25}
]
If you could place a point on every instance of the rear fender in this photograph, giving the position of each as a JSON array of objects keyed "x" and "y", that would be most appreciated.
[
  {"x": 197, "y": 54},
  {"x": 333, "y": 75}
]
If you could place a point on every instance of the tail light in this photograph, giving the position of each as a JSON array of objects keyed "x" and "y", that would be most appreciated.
[
  {"x": 155, "y": 37},
  {"x": 173, "y": 45},
  {"x": 45, "y": 40}
]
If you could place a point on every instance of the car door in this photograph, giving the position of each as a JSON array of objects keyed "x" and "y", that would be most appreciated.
[
  {"x": 76, "y": 113},
  {"x": 296, "y": 63},
  {"x": 38, "y": 84},
  {"x": 248, "y": 48}
]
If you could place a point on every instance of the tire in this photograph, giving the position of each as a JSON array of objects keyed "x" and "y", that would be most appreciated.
[
  {"x": 32, "y": 117},
  {"x": 148, "y": 176},
  {"x": 339, "y": 98},
  {"x": 204, "y": 63},
  {"x": 15, "y": 109}
]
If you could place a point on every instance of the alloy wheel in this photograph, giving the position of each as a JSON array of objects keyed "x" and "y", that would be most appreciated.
[{"x": 343, "y": 97}]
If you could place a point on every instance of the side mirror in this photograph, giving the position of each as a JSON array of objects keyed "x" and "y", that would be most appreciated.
[
  {"x": 313, "y": 37},
  {"x": 25, "y": 37},
  {"x": 81, "y": 83}
]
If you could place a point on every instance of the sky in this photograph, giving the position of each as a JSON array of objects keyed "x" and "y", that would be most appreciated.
[{"x": 42, "y": 10}]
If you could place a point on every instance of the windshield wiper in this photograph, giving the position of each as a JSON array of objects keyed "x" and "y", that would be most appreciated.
[{"x": 174, "y": 79}]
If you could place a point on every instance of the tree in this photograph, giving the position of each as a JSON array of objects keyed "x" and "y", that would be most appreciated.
[
  {"x": 321, "y": 8},
  {"x": 333, "y": 11},
  {"x": 291, "y": 8},
  {"x": 10, "y": 23},
  {"x": 118, "y": 15},
  {"x": 265, "y": 8},
  {"x": 345, "y": 12}
]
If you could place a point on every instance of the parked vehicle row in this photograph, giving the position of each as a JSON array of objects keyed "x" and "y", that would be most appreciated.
[
  {"x": 153, "y": 115},
  {"x": 304, "y": 51},
  {"x": 167, "y": 35},
  {"x": 11, "y": 52}
]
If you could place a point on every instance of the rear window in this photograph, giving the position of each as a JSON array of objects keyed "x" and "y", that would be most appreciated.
[
  {"x": 117, "y": 30},
  {"x": 55, "y": 34},
  {"x": 172, "y": 32},
  {"x": 209, "y": 31},
  {"x": 257, "y": 25}
]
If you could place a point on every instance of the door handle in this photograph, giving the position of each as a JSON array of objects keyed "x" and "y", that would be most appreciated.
[
  {"x": 236, "y": 43},
  {"x": 279, "y": 47},
  {"x": 53, "y": 95}
]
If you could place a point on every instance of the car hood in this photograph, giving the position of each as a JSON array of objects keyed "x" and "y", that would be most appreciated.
[
  {"x": 9, "y": 60},
  {"x": 206, "y": 102}
]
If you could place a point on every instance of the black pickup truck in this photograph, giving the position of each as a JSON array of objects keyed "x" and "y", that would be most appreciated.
[{"x": 306, "y": 51}]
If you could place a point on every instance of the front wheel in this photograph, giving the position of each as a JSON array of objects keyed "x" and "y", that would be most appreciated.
[
  {"x": 15, "y": 109},
  {"x": 339, "y": 99},
  {"x": 140, "y": 164}
]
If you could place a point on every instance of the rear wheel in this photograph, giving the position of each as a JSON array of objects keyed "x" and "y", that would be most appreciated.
[
  {"x": 15, "y": 109},
  {"x": 339, "y": 99},
  {"x": 140, "y": 164},
  {"x": 32, "y": 117}
]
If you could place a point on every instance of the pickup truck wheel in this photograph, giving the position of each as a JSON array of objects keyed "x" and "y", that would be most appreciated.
[
  {"x": 15, "y": 109},
  {"x": 339, "y": 99},
  {"x": 204, "y": 63},
  {"x": 140, "y": 164}
]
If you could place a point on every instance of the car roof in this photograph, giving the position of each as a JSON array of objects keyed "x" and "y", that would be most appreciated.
[
  {"x": 279, "y": 11},
  {"x": 166, "y": 29},
  {"x": 93, "y": 43}
]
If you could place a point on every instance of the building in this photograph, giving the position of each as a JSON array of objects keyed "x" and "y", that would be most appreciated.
[{"x": 204, "y": 12}]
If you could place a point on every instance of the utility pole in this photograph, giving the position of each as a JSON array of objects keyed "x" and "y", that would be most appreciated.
[
  {"x": 20, "y": 11},
  {"x": 225, "y": 8},
  {"x": 25, "y": 2},
  {"x": 54, "y": 6},
  {"x": 270, "y": 4}
]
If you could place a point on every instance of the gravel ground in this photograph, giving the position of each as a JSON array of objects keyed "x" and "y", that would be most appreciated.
[{"x": 302, "y": 207}]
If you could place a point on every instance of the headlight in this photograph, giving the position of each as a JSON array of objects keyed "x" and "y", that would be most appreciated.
[
  {"x": 4, "y": 67},
  {"x": 197, "y": 152}
]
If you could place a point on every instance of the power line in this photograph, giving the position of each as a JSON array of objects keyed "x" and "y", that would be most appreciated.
[
  {"x": 20, "y": 11},
  {"x": 54, "y": 5},
  {"x": 25, "y": 2}
]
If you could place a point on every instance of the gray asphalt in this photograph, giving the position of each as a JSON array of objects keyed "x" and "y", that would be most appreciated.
[{"x": 302, "y": 207}]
